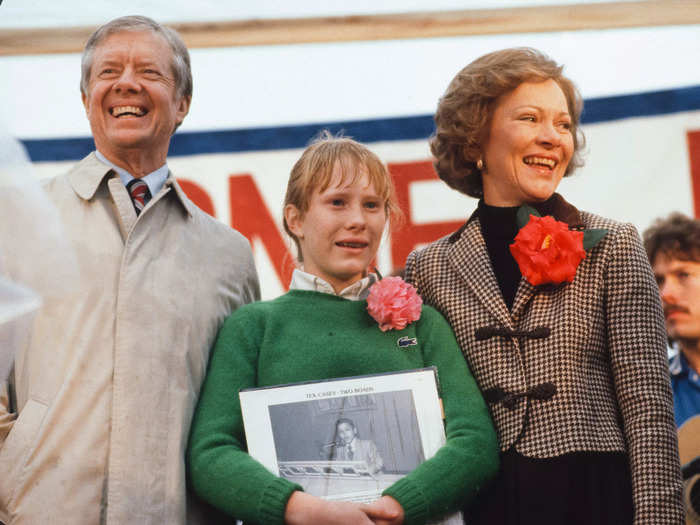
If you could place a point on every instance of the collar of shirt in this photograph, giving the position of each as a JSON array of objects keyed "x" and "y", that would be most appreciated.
[
  {"x": 675, "y": 365},
  {"x": 679, "y": 367},
  {"x": 154, "y": 180},
  {"x": 357, "y": 291},
  {"x": 685, "y": 383}
]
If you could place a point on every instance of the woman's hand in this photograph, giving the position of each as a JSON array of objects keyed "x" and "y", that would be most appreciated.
[{"x": 304, "y": 509}]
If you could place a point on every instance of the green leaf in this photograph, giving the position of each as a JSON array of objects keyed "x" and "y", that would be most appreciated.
[
  {"x": 524, "y": 213},
  {"x": 592, "y": 237}
]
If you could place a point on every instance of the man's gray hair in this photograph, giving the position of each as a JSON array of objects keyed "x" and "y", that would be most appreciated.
[{"x": 181, "y": 57}]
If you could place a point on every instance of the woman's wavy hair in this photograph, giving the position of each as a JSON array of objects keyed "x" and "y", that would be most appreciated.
[{"x": 464, "y": 112}]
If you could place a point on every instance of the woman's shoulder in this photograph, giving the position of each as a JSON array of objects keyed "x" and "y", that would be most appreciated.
[
  {"x": 592, "y": 220},
  {"x": 433, "y": 250},
  {"x": 620, "y": 253},
  {"x": 617, "y": 231}
]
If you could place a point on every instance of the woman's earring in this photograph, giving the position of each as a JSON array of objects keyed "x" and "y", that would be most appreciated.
[{"x": 480, "y": 164}]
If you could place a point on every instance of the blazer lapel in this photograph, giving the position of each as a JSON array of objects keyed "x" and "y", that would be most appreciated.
[
  {"x": 470, "y": 259},
  {"x": 522, "y": 297}
]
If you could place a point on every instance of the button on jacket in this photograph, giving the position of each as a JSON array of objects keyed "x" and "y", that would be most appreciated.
[
  {"x": 576, "y": 367},
  {"x": 106, "y": 389}
]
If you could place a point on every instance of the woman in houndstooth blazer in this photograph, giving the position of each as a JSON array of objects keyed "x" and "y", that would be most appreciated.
[{"x": 575, "y": 374}]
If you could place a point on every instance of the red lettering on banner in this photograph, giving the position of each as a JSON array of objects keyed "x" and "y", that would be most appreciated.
[
  {"x": 251, "y": 216},
  {"x": 198, "y": 195},
  {"x": 404, "y": 240},
  {"x": 694, "y": 153}
]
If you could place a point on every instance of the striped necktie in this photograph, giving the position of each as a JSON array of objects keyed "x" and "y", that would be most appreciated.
[{"x": 140, "y": 194}]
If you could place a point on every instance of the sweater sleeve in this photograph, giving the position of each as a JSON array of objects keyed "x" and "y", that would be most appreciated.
[
  {"x": 450, "y": 479},
  {"x": 637, "y": 345},
  {"x": 220, "y": 469}
]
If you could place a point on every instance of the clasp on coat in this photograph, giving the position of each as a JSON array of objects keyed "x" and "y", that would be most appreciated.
[
  {"x": 509, "y": 400},
  {"x": 486, "y": 332}
]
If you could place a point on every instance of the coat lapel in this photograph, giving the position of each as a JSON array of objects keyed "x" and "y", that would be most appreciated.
[
  {"x": 522, "y": 297},
  {"x": 562, "y": 211},
  {"x": 470, "y": 259}
]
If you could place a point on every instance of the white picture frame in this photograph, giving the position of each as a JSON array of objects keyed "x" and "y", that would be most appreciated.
[{"x": 348, "y": 438}]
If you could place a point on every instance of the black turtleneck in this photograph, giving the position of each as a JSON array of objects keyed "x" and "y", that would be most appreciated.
[{"x": 499, "y": 228}]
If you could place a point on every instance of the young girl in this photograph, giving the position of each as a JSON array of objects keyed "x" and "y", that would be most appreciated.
[{"x": 338, "y": 202}]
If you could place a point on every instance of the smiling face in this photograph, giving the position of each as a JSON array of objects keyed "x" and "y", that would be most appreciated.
[
  {"x": 346, "y": 432},
  {"x": 341, "y": 230},
  {"x": 131, "y": 101},
  {"x": 529, "y": 145},
  {"x": 679, "y": 287}
]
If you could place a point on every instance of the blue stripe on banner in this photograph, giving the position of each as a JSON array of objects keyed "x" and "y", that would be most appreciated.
[
  {"x": 641, "y": 105},
  {"x": 387, "y": 129}
]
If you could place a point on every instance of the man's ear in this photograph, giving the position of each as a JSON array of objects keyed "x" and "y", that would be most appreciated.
[
  {"x": 85, "y": 99},
  {"x": 183, "y": 108},
  {"x": 294, "y": 220}
]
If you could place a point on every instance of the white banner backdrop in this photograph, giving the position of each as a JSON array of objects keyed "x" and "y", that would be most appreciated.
[
  {"x": 637, "y": 169},
  {"x": 255, "y": 107}
]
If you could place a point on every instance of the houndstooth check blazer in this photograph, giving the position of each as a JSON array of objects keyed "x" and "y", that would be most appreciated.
[{"x": 575, "y": 367}]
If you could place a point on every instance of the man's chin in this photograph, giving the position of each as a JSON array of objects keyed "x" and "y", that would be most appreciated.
[{"x": 128, "y": 140}]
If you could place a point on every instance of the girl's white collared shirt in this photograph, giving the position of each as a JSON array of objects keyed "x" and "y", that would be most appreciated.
[{"x": 357, "y": 291}]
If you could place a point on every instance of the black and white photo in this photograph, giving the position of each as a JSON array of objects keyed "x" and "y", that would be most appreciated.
[
  {"x": 345, "y": 439},
  {"x": 358, "y": 443}
]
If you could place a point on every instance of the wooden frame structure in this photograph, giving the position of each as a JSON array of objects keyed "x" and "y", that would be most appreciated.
[{"x": 606, "y": 15}]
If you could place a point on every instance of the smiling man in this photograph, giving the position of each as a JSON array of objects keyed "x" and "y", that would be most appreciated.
[
  {"x": 673, "y": 246},
  {"x": 94, "y": 422}
]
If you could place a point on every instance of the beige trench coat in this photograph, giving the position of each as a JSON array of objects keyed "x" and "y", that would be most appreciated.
[{"x": 106, "y": 389}]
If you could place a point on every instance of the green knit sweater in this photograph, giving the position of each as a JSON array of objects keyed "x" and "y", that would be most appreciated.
[{"x": 304, "y": 336}]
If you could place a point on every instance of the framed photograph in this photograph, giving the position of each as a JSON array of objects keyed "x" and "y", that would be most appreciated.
[{"x": 349, "y": 438}]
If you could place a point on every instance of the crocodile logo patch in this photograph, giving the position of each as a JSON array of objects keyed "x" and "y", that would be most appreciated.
[{"x": 407, "y": 341}]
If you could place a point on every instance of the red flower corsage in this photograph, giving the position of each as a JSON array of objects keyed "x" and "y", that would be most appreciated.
[
  {"x": 393, "y": 303},
  {"x": 547, "y": 251}
]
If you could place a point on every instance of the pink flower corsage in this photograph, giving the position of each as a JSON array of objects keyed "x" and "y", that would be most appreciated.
[{"x": 393, "y": 303}]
